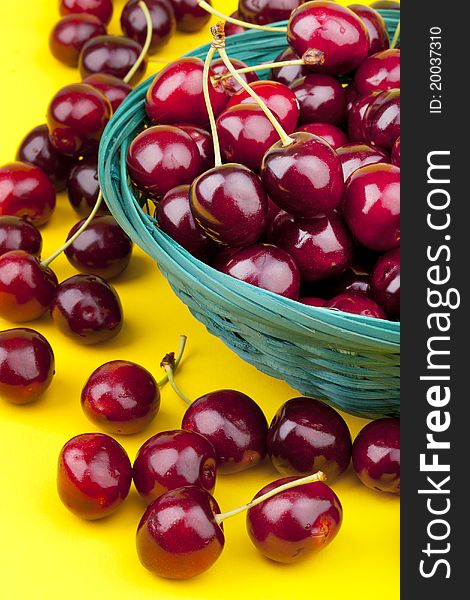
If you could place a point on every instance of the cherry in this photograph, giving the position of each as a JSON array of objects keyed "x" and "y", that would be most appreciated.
[
  {"x": 83, "y": 188},
  {"x": 190, "y": 17},
  {"x": 134, "y": 23},
  {"x": 231, "y": 28},
  {"x": 103, "y": 9},
  {"x": 382, "y": 120},
  {"x": 234, "y": 424},
  {"x": 355, "y": 279},
  {"x": 26, "y": 191},
  {"x": 321, "y": 247},
  {"x": 385, "y": 283},
  {"x": 354, "y": 156},
  {"x": 356, "y": 116},
  {"x": 351, "y": 95},
  {"x": 371, "y": 206},
  {"x": 121, "y": 397},
  {"x": 396, "y": 152},
  {"x": 332, "y": 29},
  {"x": 203, "y": 141},
  {"x": 288, "y": 74},
  {"x": 94, "y": 475},
  {"x": 77, "y": 114},
  {"x": 37, "y": 149},
  {"x": 330, "y": 133},
  {"x": 103, "y": 249},
  {"x": 229, "y": 203},
  {"x": 307, "y": 518},
  {"x": 114, "y": 89},
  {"x": 311, "y": 301},
  {"x": 305, "y": 178},
  {"x": 381, "y": 71},
  {"x": 26, "y": 288},
  {"x": 172, "y": 460},
  {"x": 263, "y": 12},
  {"x": 175, "y": 218},
  {"x": 321, "y": 98},
  {"x": 231, "y": 85},
  {"x": 69, "y": 35},
  {"x": 17, "y": 234},
  {"x": 111, "y": 54},
  {"x": 26, "y": 365},
  {"x": 161, "y": 158},
  {"x": 357, "y": 304},
  {"x": 176, "y": 94},
  {"x": 375, "y": 25},
  {"x": 376, "y": 455},
  {"x": 87, "y": 309}
]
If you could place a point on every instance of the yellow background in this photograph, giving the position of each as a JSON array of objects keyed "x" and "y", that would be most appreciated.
[{"x": 46, "y": 552}]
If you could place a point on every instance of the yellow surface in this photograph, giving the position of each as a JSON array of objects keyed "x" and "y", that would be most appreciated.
[{"x": 46, "y": 552}]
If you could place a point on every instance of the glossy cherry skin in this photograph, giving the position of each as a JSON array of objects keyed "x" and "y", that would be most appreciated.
[
  {"x": 357, "y": 303},
  {"x": 321, "y": 98},
  {"x": 77, "y": 114},
  {"x": 87, "y": 309},
  {"x": 83, "y": 188},
  {"x": 134, "y": 23},
  {"x": 111, "y": 54},
  {"x": 161, "y": 158},
  {"x": 356, "y": 116},
  {"x": 26, "y": 365},
  {"x": 71, "y": 33},
  {"x": 371, "y": 206},
  {"x": 375, "y": 25},
  {"x": 330, "y": 133},
  {"x": 114, "y": 89},
  {"x": 287, "y": 75},
  {"x": 176, "y": 94},
  {"x": 94, "y": 475},
  {"x": 234, "y": 424},
  {"x": 172, "y": 460},
  {"x": 382, "y": 120},
  {"x": 26, "y": 191},
  {"x": 355, "y": 279},
  {"x": 230, "y": 204},
  {"x": 204, "y": 143},
  {"x": 321, "y": 247},
  {"x": 231, "y": 28},
  {"x": 381, "y": 71},
  {"x": 26, "y": 288},
  {"x": 263, "y": 12},
  {"x": 175, "y": 218},
  {"x": 18, "y": 234},
  {"x": 332, "y": 29},
  {"x": 376, "y": 455},
  {"x": 304, "y": 178},
  {"x": 311, "y": 301},
  {"x": 385, "y": 283},
  {"x": 355, "y": 155},
  {"x": 178, "y": 536},
  {"x": 307, "y": 518},
  {"x": 121, "y": 397},
  {"x": 190, "y": 17},
  {"x": 231, "y": 85},
  {"x": 396, "y": 153},
  {"x": 266, "y": 267},
  {"x": 103, "y": 9},
  {"x": 351, "y": 95}
]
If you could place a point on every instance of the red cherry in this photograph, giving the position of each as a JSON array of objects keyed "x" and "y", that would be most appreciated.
[
  {"x": 396, "y": 152},
  {"x": 83, "y": 188},
  {"x": 287, "y": 75},
  {"x": 354, "y": 156},
  {"x": 190, "y": 17},
  {"x": 381, "y": 123},
  {"x": 71, "y": 33},
  {"x": 26, "y": 191},
  {"x": 330, "y": 133},
  {"x": 134, "y": 23},
  {"x": 355, "y": 279},
  {"x": 381, "y": 71},
  {"x": 357, "y": 304},
  {"x": 26, "y": 365},
  {"x": 356, "y": 116},
  {"x": 351, "y": 95},
  {"x": 94, "y": 475},
  {"x": 231, "y": 28},
  {"x": 310, "y": 301},
  {"x": 385, "y": 283},
  {"x": 263, "y": 12},
  {"x": 112, "y": 88},
  {"x": 321, "y": 98},
  {"x": 103, "y": 9},
  {"x": 375, "y": 25},
  {"x": 18, "y": 234},
  {"x": 204, "y": 143},
  {"x": 231, "y": 85}
]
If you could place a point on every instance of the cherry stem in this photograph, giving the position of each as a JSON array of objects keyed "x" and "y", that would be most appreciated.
[
  {"x": 396, "y": 36},
  {"x": 210, "y": 110},
  {"x": 210, "y": 9},
  {"x": 176, "y": 360},
  {"x": 169, "y": 363},
  {"x": 148, "y": 40},
  {"x": 320, "y": 476}
]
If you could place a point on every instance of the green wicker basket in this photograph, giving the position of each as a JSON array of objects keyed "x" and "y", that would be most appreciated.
[{"x": 352, "y": 362}]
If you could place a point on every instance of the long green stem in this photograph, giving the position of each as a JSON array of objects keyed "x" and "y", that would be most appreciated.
[
  {"x": 210, "y": 110},
  {"x": 170, "y": 374},
  {"x": 396, "y": 36},
  {"x": 210, "y": 9},
  {"x": 177, "y": 361}
]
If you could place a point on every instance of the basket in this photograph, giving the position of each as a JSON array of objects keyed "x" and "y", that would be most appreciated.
[{"x": 350, "y": 361}]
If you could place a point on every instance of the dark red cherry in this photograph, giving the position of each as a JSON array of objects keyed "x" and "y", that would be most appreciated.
[
  {"x": 18, "y": 234},
  {"x": 71, "y": 33},
  {"x": 111, "y": 54},
  {"x": 355, "y": 279},
  {"x": 376, "y": 455},
  {"x": 176, "y": 94},
  {"x": 134, "y": 23},
  {"x": 189, "y": 15},
  {"x": 230, "y": 204},
  {"x": 26, "y": 288},
  {"x": 77, "y": 114},
  {"x": 355, "y": 155},
  {"x": 396, "y": 152},
  {"x": 204, "y": 143},
  {"x": 356, "y": 116},
  {"x": 304, "y": 178},
  {"x": 114, "y": 89},
  {"x": 94, "y": 475},
  {"x": 103, "y": 9},
  {"x": 231, "y": 85},
  {"x": 161, "y": 158},
  {"x": 221, "y": 255},
  {"x": 321, "y": 98},
  {"x": 266, "y": 267},
  {"x": 178, "y": 536},
  {"x": 356, "y": 303},
  {"x": 234, "y": 424},
  {"x": 263, "y": 12},
  {"x": 231, "y": 28},
  {"x": 83, "y": 188},
  {"x": 87, "y": 309},
  {"x": 26, "y": 191},
  {"x": 381, "y": 123},
  {"x": 386, "y": 4},
  {"x": 330, "y": 133},
  {"x": 279, "y": 98},
  {"x": 332, "y": 29},
  {"x": 296, "y": 523},
  {"x": 381, "y": 71},
  {"x": 121, "y": 397},
  {"x": 172, "y": 460},
  {"x": 351, "y": 95},
  {"x": 311, "y": 301},
  {"x": 287, "y": 75},
  {"x": 103, "y": 249},
  {"x": 175, "y": 218},
  {"x": 375, "y": 25},
  {"x": 385, "y": 283},
  {"x": 321, "y": 247},
  {"x": 371, "y": 206},
  {"x": 26, "y": 365}
]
